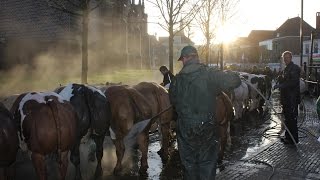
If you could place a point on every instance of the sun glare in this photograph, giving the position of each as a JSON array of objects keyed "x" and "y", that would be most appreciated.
[{"x": 226, "y": 34}]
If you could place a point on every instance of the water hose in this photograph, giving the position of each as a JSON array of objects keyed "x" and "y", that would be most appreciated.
[{"x": 271, "y": 107}]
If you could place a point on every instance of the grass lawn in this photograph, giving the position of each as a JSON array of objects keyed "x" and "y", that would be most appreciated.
[{"x": 19, "y": 81}]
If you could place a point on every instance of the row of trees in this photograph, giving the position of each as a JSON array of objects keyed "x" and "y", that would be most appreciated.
[
  {"x": 209, "y": 15},
  {"x": 176, "y": 15}
]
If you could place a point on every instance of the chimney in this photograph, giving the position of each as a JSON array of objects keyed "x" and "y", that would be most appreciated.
[{"x": 318, "y": 21}]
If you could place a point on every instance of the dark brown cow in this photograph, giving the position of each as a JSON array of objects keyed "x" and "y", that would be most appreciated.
[
  {"x": 132, "y": 108},
  {"x": 224, "y": 114},
  {"x": 47, "y": 124},
  {"x": 9, "y": 143}
]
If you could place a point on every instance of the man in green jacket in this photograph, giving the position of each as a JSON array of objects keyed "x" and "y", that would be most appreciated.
[{"x": 193, "y": 94}]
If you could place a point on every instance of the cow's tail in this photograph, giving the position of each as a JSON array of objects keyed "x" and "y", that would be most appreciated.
[{"x": 55, "y": 114}]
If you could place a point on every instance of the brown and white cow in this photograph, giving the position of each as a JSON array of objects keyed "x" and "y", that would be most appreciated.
[
  {"x": 47, "y": 124},
  {"x": 132, "y": 109}
]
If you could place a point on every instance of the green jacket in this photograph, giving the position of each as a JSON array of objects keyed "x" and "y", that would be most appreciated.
[{"x": 193, "y": 91}]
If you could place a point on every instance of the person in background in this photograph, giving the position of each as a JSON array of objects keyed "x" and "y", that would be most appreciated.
[
  {"x": 289, "y": 85},
  {"x": 193, "y": 94},
  {"x": 167, "y": 76}
]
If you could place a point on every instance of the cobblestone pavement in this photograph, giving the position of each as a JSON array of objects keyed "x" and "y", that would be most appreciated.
[{"x": 279, "y": 161}]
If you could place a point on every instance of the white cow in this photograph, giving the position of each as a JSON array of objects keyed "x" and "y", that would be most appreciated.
[
  {"x": 240, "y": 99},
  {"x": 255, "y": 82}
]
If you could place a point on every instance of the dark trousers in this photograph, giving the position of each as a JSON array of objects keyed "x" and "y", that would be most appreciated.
[
  {"x": 198, "y": 149},
  {"x": 290, "y": 114}
]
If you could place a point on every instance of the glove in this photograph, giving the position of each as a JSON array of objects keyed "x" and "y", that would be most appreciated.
[{"x": 276, "y": 86}]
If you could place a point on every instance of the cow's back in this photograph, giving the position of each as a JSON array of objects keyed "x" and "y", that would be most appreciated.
[{"x": 46, "y": 122}]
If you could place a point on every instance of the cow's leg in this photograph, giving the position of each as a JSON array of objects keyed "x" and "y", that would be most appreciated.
[
  {"x": 166, "y": 135},
  {"x": 99, "y": 153},
  {"x": 63, "y": 165},
  {"x": 223, "y": 142},
  {"x": 38, "y": 161},
  {"x": 75, "y": 158},
  {"x": 228, "y": 136},
  {"x": 120, "y": 149},
  {"x": 143, "y": 141}
]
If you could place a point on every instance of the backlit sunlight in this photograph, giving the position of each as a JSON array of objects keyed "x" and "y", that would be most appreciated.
[{"x": 226, "y": 34}]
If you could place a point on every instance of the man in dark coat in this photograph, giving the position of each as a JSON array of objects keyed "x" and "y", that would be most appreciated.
[
  {"x": 289, "y": 85},
  {"x": 193, "y": 94}
]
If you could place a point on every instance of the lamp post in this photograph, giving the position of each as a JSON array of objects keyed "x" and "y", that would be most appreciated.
[{"x": 301, "y": 34}]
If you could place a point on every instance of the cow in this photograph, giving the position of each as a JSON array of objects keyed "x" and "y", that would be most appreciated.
[
  {"x": 9, "y": 143},
  {"x": 47, "y": 124},
  {"x": 224, "y": 115},
  {"x": 255, "y": 83},
  {"x": 134, "y": 110},
  {"x": 240, "y": 100},
  {"x": 94, "y": 116}
]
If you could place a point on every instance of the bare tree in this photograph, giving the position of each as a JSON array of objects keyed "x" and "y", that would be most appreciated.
[
  {"x": 80, "y": 8},
  {"x": 189, "y": 31},
  {"x": 206, "y": 18},
  {"x": 173, "y": 13},
  {"x": 216, "y": 13},
  {"x": 227, "y": 11}
]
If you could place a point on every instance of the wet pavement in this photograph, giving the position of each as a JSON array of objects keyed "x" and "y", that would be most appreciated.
[
  {"x": 274, "y": 160},
  {"x": 256, "y": 153}
]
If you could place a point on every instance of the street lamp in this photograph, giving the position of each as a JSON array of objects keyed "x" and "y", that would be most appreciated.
[{"x": 301, "y": 34}]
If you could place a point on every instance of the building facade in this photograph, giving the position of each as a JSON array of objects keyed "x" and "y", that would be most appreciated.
[{"x": 117, "y": 32}]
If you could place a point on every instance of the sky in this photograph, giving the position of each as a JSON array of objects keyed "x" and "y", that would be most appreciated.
[{"x": 251, "y": 15}]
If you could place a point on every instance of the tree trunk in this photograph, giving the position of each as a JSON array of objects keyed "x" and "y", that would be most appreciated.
[
  {"x": 85, "y": 24},
  {"x": 171, "y": 47},
  {"x": 221, "y": 55},
  {"x": 207, "y": 49}
]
